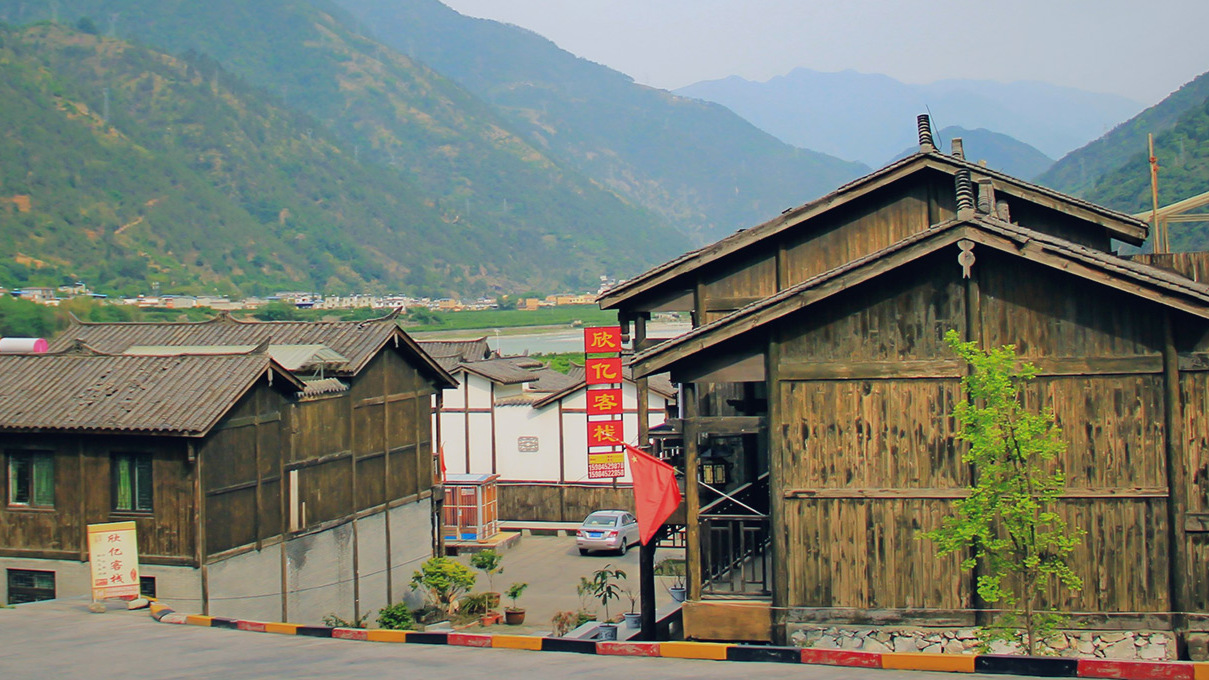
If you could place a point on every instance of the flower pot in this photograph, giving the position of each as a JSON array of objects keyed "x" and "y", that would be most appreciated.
[
  {"x": 606, "y": 631},
  {"x": 493, "y": 600},
  {"x": 632, "y": 620},
  {"x": 677, "y": 593},
  {"x": 514, "y": 617},
  {"x": 490, "y": 618}
]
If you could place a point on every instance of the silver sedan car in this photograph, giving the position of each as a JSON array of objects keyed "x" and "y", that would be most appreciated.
[{"x": 607, "y": 530}]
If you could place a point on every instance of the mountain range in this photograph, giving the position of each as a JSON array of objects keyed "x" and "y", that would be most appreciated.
[
  {"x": 1000, "y": 151},
  {"x": 858, "y": 115}
]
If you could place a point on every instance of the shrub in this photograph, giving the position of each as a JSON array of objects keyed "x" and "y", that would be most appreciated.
[
  {"x": 443, "y": 580},
  {"x": 396, "y": 617}
]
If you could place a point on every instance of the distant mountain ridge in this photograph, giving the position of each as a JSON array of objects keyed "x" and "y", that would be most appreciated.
[
  {"x": 1079, "y": 171},
  {"x": 698, "y": 165},
  {"x": 1000, "y": 151},
  {"x": 855, "y": 115}
]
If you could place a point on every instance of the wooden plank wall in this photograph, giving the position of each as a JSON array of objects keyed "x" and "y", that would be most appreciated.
[
  {"x": 83, "y": 486},
  {"x": 560, "y": 502},
  {"x": 867, "y": 388}
]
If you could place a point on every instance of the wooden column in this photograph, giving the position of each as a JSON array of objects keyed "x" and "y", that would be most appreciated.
[
  {"x": 646, "y": 553},
  {"x": 438, "y": 491},
  {"x": 386, "y": 482},
  {"x": 287, "y": 439},
  {"x": 352, "y": 510},
  {"x": 1177, "y": 487},
  {"x": 776, "y": 491},
  {"x": 973, "y": 333},
  {"x": 692, "y": 495}
]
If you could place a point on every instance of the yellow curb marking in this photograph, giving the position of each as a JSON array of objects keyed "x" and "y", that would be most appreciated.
[
  {"x": 196, "y": 620},
  {"x": 958, "y": 663},
  {"x": 381, "y": 635},
  {"x": 516, "y": 642},
  {"x": 693, "y": 650}
]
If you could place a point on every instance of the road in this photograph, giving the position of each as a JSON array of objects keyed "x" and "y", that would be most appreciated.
[{"x": 60, "y": 639}]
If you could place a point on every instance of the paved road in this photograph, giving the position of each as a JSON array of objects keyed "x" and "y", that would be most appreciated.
[{"x": 60, "y": 639}]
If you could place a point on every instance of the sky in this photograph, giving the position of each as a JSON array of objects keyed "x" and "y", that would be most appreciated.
[{"x": 1097, "y": 45}]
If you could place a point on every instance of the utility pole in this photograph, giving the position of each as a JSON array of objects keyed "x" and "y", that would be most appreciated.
[{"x": 1160, "y": 231}]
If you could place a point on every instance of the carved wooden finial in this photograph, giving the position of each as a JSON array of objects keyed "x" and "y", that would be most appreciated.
[{"x": 966, "y": 257}]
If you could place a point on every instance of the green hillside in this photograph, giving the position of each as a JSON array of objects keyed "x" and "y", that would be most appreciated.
[
  {"x": 1078, "y": 171},
  {"x": 410, "y": 183},
  {"x": 697, "y": 164},
  {"x": 1183, "y": 153}
]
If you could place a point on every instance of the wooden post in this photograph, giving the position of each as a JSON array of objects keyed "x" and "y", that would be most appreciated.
[
  {"x": 692, "y": 551},
  {"x": 1160, "y": 231},
  {"x": 287, "y": 434},
  {"x": 1177, "y": 488},
  {"x": 776, "y": 492},
  {"x": 646, "y": 553},
  {"x": 352, "y": 510},
  {"x": 973, "y": 333}
]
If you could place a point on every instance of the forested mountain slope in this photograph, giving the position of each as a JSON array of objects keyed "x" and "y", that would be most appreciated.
[
  {"x": 696, "y": 163},
  {"x": 461, "y": 202}
]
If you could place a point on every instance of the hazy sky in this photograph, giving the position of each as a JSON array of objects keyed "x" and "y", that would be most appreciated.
[{"x": 1098, "y": 45}]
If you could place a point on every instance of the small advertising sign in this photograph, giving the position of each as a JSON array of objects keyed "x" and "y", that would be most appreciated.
[
  {"x": 604, "y": 402},
  {"x": 603, "y": 371},
  {"x": 602, "y": 340},
  {"x": 114, "y": 558},
  {"x": 606, "y": 465}
]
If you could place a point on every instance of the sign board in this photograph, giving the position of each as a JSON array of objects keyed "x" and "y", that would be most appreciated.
[
  {"x": 602, "y": 340},
  {"x": 113, "y": 555},
  {"x": 604, "y": 402},
  {"x": 605, "y": 433},
  {"x": 603, "y": 371}
]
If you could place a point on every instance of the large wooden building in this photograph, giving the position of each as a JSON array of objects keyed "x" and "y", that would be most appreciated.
[
  {"x": 818, "y": 354},
  {"x": 275, "y": 470}
]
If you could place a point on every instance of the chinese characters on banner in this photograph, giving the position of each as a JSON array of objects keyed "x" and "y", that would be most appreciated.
[
  {"x": 114, "y": 558},
  {"x": 605, "y": 430}
]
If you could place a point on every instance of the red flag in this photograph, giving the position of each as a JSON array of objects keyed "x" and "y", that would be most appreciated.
[
  {"x": 656, "y": 495},
  {"x": 441, "y": 453}
]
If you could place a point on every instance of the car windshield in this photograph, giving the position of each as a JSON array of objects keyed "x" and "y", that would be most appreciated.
[{"x": 600, "y": 521}]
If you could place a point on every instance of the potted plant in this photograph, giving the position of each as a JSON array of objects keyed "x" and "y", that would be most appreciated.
[
  {"x": 489, "y": 562},
  {"x": 442, "y": 580},
  {"x": 632, "y": 618},
  {"x": 514, "y": 615},
  {"x": 675, "y": 569},
  {"x": 604, "y": 586}
]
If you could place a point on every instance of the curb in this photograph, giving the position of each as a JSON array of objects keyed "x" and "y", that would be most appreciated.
[{"x": 1051, "y": 667}]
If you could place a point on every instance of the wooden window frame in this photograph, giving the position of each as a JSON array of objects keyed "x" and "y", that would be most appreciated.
[
  {"x": 9, "y": 573},
  {"x": 147, "y": 476},
  {"x": 31, "y": 488}
]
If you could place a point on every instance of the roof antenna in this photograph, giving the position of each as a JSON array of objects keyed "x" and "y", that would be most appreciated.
[{"x": 936, "y": 135}]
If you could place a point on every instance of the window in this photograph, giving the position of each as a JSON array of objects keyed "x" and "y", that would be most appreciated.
[
  {"x": 147, "y": 586},
  {"x": 31, "y": 479},
  {"x": 132, "y": 482},
  {"x": 25, "y": 585}
]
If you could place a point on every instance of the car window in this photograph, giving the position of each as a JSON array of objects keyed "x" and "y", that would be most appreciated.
[
  {"x": 629, "y": 519},
  {"x": 600, "y": 521}
]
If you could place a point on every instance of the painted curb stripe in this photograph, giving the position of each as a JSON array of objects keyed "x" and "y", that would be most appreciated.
[
  {"x": 1136, "y": 670},
  {"x": 839, "y": 657},
  {"x": 253, "y": 626},
  {"x": 713, "y": 651},
  {"x": 380, "y": 635},
  {"x": 1200, "y": 671},
  {"x": 770, "y": 654},
  {"x": 469, "y": 640},
  {"x": 174, "y": 618},
  {"x": 516, "y": 642},
  {"x": 350, "y": 634},
  {"x": 628, "y": 648},
  {"x": 220, "y": 622},
  {"x": 197, "y": 620},
  {"x": 281, "y": 628},
  {"x": 955, "y": 663},
  {"x": 428, "y": 638},
  {"x": 568, "y": 645},
  {"x": 314, "y": 631},
  {"x": 1043, "y": 666}
]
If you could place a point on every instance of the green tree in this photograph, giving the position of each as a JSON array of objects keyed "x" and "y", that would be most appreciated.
[
  {"x": 1008, "y": 525},
  {"x": 444, "y": 580}
]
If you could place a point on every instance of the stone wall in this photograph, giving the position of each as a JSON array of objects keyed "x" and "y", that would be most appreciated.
[{"x": 1142, "y": 645}]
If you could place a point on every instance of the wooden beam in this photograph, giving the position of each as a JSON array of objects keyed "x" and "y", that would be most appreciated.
[
  {"x": 777, "y": 466},
  {"x": 725, "y": 425},
  {"x": 1177, "y": 485},
  {"x": 693, "y": 557},
  {"x": 730, "y": 304},
  {"x": 942, "y": 369}
]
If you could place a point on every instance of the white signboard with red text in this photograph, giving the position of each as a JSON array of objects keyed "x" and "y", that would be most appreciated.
[{"x": 114, "y": 556}]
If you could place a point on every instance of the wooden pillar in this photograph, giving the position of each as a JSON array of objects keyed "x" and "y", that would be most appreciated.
[
  {"x": 386, "y": 482},
  {"x": 438, "y": 491},
  {"x": 1177, "y": 487},
  {"x": 973, "y": 333},
  {"x": 776, "y": 491},
  {"x": 352, "y": 510},
  {"x": 692, "y": 495},
  {"x": 287, "y": 438},
  {"x": 199, "y": 498},
  {"x": 646, "y": 553}
]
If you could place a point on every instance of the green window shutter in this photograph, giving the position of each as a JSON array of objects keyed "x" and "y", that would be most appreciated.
[
  {"x": 44, "y": 479},
  {"x": 123, "y": 490},
  {"x": 143, "y": 482}
]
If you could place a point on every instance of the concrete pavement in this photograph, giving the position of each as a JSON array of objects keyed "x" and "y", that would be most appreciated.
[{"x": 60, "y": 639}]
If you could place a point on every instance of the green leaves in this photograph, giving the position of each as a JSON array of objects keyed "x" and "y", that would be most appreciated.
[{"x": 1009, "y": 526}]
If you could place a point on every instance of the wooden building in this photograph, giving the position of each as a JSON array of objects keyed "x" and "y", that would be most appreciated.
[
  {"x": 275, "y": 470},
  {"x": 515, "y": 418},
  {"x": 818, "y": 349}
]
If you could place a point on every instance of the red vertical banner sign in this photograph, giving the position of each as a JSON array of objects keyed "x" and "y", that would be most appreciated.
[{"x": 606, "y": 432}]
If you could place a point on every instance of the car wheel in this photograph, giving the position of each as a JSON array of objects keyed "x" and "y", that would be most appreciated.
[
  {"x": 624, "y": 546},
  {"x": 583, "y": 551}
]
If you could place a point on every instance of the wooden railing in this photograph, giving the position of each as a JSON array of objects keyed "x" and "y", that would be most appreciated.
[{"x": 735, "y": 555}]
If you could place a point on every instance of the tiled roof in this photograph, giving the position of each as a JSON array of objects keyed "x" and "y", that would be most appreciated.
[
  {"x": 505, "y": 370},
  {"x": 450, "y": 353},
  {"x": 358, "y": 341},
  {"x": 291, "y": 357},
  {"x": 84, "y": 390}
]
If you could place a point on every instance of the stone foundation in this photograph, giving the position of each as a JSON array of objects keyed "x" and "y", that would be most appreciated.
[{"x": 1137, "y": 645}]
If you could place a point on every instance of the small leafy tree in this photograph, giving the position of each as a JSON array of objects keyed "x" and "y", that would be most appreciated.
[
  {"x": 489, "y": 562},
  {"x": 514, "y": 593},
  {"x": 603, "y": 586},
  {"x": 395, "y": 617},
  {"x": 443, "y": 580},
  {"x": 1008, "y": 523}
]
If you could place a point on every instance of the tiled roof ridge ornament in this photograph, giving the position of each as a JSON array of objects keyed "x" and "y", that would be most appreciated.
[
  {"x": 965, "y": 194},
  {"x": 924, "y": 123}
]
